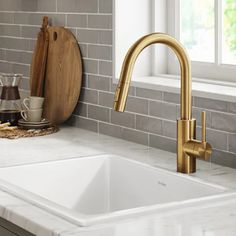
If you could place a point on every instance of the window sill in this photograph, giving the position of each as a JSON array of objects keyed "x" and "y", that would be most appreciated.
[{"x": 218, "y": 90}]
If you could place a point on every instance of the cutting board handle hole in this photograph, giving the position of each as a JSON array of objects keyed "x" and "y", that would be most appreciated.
[{"x": 55, "y": 36}]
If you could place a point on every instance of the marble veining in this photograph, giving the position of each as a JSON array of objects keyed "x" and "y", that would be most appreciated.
[{"x": 217, "y": 218}]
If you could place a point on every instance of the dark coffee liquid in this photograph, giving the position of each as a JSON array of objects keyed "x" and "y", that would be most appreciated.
[{"x": 11, "y": 116}]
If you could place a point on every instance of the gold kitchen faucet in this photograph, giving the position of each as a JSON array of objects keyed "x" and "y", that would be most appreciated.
[{"x": 188, "y": 148}]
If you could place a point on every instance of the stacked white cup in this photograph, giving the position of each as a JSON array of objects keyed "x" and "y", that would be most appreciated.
[{"x": 34, "y": 109}]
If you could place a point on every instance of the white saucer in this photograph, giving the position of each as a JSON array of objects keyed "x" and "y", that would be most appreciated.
[{"x": 24, "y": 122}]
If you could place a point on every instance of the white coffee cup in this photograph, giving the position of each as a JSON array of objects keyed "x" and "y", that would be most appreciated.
[
  {"x": 32, "y": 115},
  {"x": 33, "y": 102}
]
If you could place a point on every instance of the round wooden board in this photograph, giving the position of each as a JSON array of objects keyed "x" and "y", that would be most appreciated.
[{"x": 63, "y": 75}]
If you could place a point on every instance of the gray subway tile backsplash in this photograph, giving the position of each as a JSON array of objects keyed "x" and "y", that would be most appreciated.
[
  {"x": 150, "y": 116},
  {"x": 105, "y": 6},
  {"x": 123, "y": 119},
  {"x": 148, "y": 93},
  {"x": 100, "y": 52},
  {"x": 106, "y": 99},
  {"x": 89, "y": 96},
  {"x": 98, "y": 113},
  {"x": 224, "y": 121},
  {"x": 99, "y": 82},
  {"x": 81, "y": 6},
  {"x": 76, "y": 20},
  {"x": 163, "y": 143},
  {"x": 210, "y": 104},
  {"x": 163, "y": 110},
  {"x": 105, "y": 68},
  {"x": 100, "y": 21},
  {"x": 148, "y": 124},
  {"x": 137, "y": 105}
]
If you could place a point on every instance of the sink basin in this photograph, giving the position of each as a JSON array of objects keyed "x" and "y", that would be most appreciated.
[{"x": 92, "y": 190}]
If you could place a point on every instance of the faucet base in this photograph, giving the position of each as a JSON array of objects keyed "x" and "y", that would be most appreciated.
[{"x": 186, "y": 130}]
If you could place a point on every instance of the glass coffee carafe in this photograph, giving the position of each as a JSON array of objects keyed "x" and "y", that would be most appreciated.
[{"x": 10, "y": 103}]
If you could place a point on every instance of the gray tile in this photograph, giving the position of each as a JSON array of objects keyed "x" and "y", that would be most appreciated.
[
  {"x": 169, "y": 128},
  {"x": 30, "y": 31},
  {"x": 89, "y": 96},
  {"x": 83, "y": 50},
  {"x": 163, "y": 143},
  {"x": 105, "y": 6},
  {"x": 37, "y": 18},
  {"x": 123, "y": 119},
  {"x": 105, "y": 37},
  {"x": 90, "y": 66},
  {"x": 84, "y": 81},
  {"x": 111, "y": 130},
  {"x": 98, "y": 113},
  {"x": 105, "y": 68},
  {"x": 224, "y": 121},
  {"x": 25, "y": 84},
  {"x": 224, "y": 158},
  {"x": 87, "y": 36},
  {"x": 99, "y": 82},
  {"x": 94, "y": 36},
  {"x": 148, "y": 93},
  {"x": 135, "y": 136},
  {"x": 5, "y": 67},
  {"x": 6, "y": 17},
  {"x": 83, "y": 123},
  {"x": 148, "y": 124},
  {"x": 197, "y": 114},
  {"x": 232, "y": 107},
  {"x": 232, "y": 142},
  {"x": 74, "y": 20},
  {"x": 10, "y": 5},
  {"x": 14, "y": 43},
  {"x": 46, "y": 5},
  {"x": 100, "y": 21},
  {"x": 88, "y": 6},
  {"x": 217, "y": 139},
  {"x": 81, "y": 109},
  {"x": 163, "y": 110},
  {"x": 137, "y": 105},
  {"x": 28, "y": 5},
  {"x": 10, "y": 30},
  {"x": 210, "y": 104},
  {"x": 2, "y": 54},
  {"x": 100, "y": 52},
  {"x": 123, "y": 133},
  {"x": 106, "y": 99},
  {"x": 21, "y": 69},
  {"x": 171, "y": 97},
  {"x": 19, "y": 56}
]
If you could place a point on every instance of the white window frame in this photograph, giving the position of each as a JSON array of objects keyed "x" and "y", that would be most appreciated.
[{"x": 169, "y": 21}]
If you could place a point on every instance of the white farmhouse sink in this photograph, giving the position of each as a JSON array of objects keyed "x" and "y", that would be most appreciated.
[{"x": 97, "y": 189}]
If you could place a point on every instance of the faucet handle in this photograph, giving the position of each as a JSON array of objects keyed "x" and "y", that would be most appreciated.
[{"x": 203, "y": 126}]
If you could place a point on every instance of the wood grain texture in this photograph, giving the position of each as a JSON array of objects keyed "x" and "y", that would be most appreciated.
[
  {"x": 39, "y": 60},
  {"x": 63, "y": 75}
]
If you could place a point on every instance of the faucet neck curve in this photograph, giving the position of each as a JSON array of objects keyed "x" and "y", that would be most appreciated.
[{"x": 130, "y": 59}]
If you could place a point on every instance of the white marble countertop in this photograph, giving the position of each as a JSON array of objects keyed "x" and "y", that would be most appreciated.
[{"x": 218, "y": 218}]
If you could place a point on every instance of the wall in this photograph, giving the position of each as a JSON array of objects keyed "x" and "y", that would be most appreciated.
[{"x": 150, "y": 115}]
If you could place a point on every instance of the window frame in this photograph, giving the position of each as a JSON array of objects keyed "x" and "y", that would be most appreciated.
[{"x": 170, "y": 23}]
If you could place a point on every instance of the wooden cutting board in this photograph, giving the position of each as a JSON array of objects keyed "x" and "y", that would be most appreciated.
[
  {"x": 63, "y": 75},
  {"x": 39, "y": 60}
]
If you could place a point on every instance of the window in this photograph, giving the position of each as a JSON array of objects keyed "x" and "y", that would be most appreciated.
[{"x": 207, "y": 29}]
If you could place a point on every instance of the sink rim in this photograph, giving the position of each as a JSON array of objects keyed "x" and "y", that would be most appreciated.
[{"x": 81, "y": 219}]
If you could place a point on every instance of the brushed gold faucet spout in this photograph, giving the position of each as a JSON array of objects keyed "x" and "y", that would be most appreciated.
[
  {"x": 187, "y": 147},
  {"x": 128, "y": 65}
]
